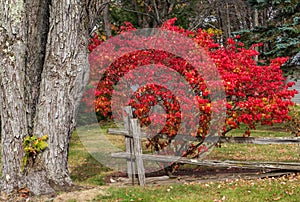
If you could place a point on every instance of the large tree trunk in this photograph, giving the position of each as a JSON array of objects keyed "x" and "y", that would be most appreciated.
[
  {"x": 106, "y": 20},
  {"x": 43, "y": 71},
  {"x": 12, "y": 70}
]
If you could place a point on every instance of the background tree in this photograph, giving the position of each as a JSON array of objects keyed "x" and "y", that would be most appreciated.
[
  {"x": 228, "y": 16},
  {"x": 279, "y": 30},
  {"x": 148, "y": 13},
  {"x": 43, "y": 70}
]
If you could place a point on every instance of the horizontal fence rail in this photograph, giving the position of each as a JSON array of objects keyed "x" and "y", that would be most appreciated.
[
  {"x": 246, "y": 140},
  {"x": 214, "y": 163}
]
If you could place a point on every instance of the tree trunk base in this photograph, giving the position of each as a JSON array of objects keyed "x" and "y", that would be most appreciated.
[{"x": 37, "y": 183}]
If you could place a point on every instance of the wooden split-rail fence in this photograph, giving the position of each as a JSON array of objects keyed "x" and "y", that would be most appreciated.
[{"x": 135, "y": 157}]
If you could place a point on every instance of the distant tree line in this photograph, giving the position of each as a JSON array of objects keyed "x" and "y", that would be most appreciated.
[{"x": 276, "y": 23}]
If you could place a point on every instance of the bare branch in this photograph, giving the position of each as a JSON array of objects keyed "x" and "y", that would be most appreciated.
[
  {"x": 156, "y": 11},
  {"x": 130, "y": 10}
]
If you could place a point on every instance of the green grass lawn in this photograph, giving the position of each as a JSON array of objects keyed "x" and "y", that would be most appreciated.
[
  {"x": 243, "y": 152},
  {"x": 280, "y": 189}
]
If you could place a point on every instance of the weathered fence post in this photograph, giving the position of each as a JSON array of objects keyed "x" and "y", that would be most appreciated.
[
  {"x": 129, "y": 143},
  {"x": 136, "y": 132}
]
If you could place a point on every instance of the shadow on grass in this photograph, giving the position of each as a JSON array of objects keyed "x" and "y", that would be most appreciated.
[
  {"x": 84, "y": 168},
  {"x": 90, "y": 171}
]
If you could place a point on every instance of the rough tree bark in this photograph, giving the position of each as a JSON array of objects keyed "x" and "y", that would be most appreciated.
[
  {"x": 106, "y": 20},
  {"x": 43, "y": 71}
]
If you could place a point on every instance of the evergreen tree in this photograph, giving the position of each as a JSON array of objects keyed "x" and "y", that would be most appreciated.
[{"x": 280, "y": 33}]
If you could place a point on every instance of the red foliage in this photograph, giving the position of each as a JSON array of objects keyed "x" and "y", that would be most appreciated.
[{"x": 255, "y": 94}]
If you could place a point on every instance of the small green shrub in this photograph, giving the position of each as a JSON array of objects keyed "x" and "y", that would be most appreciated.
[{"x": 33, "y": 145}]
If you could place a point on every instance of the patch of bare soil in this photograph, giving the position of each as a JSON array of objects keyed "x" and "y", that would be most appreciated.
[
  {"x": 83, "y": 195},
  {"x": 80, "y": 196}
]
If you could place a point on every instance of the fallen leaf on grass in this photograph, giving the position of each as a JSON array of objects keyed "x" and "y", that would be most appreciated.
[
  {"x": 277, "y": 198},
  {"x": 290, "y": 193}
]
